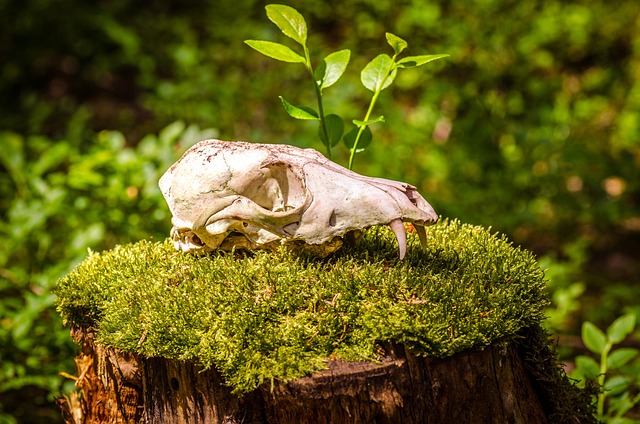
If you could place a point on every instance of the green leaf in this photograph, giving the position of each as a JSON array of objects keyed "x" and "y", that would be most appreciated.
[
  {"x": 289, "y": 20},
  {"x": 56, "y": 155},
  {"x": 12, "y": 157},
  {"x": 621, "y": 356},
  {"x": 396, "y": 42},
  {"x": 276, "y": 51},
  {"x": 12, "y": 152},
  {"x": 621, "y": 328},
  {"x": 622, "y": 420},
  {"x": 333, "y": 67},
  {"x": 365, "y": 139},
  {"x": 379, "y": 73},
  {"x": 617, "y": 384},
  {"x": 167, "y": 135},
  {"x": 335, "y": 129},
  {"x": 593, "y": 338},
  {"x": 369, "y": 122},
  {"x": 300, "y": 112},
  {"x": 587, "y": 366},
  {"x": 620, "y": 405},
  {"x": 412, "y": 61}
]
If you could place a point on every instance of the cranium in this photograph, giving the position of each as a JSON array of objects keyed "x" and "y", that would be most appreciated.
[{"x": 245, "y": 195}]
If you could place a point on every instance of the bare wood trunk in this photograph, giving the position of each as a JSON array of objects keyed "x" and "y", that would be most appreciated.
[
  {"x": 109, "y": 381},
  {"x": 488, "y": 386}
]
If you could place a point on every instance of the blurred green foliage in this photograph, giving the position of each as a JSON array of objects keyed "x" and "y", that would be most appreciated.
[
  {"x": 59, "y": 199},
  {"x": 532, "y": 126},
  {"x": 612, "y": 371}
]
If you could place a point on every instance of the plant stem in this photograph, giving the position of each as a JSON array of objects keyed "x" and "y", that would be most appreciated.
[
  {"x": 323, "y": 123},
  {"x": 362, "y": 127},
  {"x": 601, "y": 377}
]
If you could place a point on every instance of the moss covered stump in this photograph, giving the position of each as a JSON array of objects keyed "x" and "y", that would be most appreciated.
[{"x": 450, "y": 334}]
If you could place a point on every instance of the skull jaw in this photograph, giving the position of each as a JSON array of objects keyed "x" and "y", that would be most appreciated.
[{"x": 188, "y": 241}]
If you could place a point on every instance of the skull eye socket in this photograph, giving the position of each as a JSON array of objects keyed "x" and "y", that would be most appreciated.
[{"x": 277, "y": 189}]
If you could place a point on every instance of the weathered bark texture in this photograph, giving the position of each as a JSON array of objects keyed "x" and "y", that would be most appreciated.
[
  {"x": 109, "y": 381},
  {"x": 488, "y": 386}
]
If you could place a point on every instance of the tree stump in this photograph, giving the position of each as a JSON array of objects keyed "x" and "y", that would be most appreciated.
[
  {"x": 451, "y": 334},
  {"x": 486, "y": 386}
]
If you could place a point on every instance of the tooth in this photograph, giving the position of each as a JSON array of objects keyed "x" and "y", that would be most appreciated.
[
  {"x": 422, "y": 234},
  {"x": 398, "y": 230}
]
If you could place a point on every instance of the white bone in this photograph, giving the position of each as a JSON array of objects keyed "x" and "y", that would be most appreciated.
[
  {"x": 422, "y": 234},
  {"x": 226, "y": 195},
  {"x": 398, "y": 229}
]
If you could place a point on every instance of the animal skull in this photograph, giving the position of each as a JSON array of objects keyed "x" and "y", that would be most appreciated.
[{"x": 244, "y": 195}]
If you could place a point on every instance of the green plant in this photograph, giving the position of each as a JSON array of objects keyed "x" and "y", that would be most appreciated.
[
  {"x": 58, "y": 198},
  {"x": 616, "y": 396},
  {"x": 377, "y": 75},
  {"x": 566, "y": 288}
]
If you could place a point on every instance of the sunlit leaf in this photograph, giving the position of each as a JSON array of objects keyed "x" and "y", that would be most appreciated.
[
  {"x": 623, "y": 420},
  {"x": 299, "y": 112},
  {"x": 12, "y": 157},
  {"x": 289, "y": 20},
  {"x": 275, "y": 50},
  {"x": 369, "y": 122},
  {"x": 335, "y": 129},
  {"x": 621, "y": 356},
  {"x": 167, "y": 135},
  {"x": 379, "y": 73},
  {"x": 396, "y": 42},
  {"x": 587, "y": 366},
  {"x": 621, "y": 328},
  {"x": 56, "y": 155},
  {"x": 617, "y": 384},
  {"x": 413, "y": 61},
  {"x": 334, "y": 66},
  {"x": 12, "y": 152},
  {"x": 593, "y": 338}
]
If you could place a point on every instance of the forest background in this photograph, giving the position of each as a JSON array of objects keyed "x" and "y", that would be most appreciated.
[{"x": 530, "y": 127}]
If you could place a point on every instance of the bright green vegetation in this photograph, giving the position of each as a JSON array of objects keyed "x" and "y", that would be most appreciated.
[
  {"x": 268, "y": 315},
  {"x": 376, "y": 75},
  {"x": 58, "y": 200},
  {"x": 613, "y": 373}
]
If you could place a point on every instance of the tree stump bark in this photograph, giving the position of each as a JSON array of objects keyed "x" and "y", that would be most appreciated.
[{"x": 487, "y": 386}]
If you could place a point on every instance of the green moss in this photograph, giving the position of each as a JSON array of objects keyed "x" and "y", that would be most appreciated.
[
  {"x": 265, "y": 315},
  {"x": 561, "y": 399}
]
